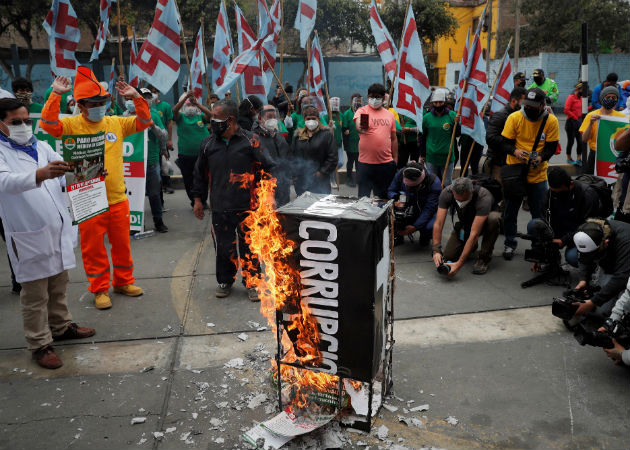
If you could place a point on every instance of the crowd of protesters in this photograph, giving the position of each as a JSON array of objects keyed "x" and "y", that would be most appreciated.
[{"x": 222, "y": 145}]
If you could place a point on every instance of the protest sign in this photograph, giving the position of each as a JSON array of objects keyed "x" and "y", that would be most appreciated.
[{"x": 608, "y": 129}]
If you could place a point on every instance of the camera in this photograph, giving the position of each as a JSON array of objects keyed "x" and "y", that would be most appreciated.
[
  {"x": 563, "y": 307},
  {"x": 443, "y": 269},
  {"x": 614, "y": 329},
  {"x": 623, "y": 166},
  {"x": 532, "y": 159}
]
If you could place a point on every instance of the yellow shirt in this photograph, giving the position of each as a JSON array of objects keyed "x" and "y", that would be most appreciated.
[
  {"x": 524, "y": 131},
  {"x": 116, "y": 129},
  {"x": 592, "y": 141}
]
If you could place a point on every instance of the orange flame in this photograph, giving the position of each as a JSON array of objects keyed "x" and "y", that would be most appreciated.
[{"x": 245, "y": 179}]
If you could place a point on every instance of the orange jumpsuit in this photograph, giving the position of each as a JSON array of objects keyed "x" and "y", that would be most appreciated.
[{"x": 115, "y": 222}]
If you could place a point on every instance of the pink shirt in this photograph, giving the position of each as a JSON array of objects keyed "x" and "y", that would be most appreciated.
[{"x": 375, "y": 145}]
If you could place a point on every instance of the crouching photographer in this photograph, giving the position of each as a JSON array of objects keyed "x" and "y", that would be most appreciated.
[
  {"x": 476, "y": 218},
  {"x": 416, "y": 194}
]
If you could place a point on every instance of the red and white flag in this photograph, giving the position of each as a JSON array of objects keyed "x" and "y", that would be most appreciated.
[
  {"x": 305, "y": 19},
  {"x": 504, "y": 85},
  {"x": 222, "y": 49},
  {"x": 254, "y": 79},
  {"x": 475, "y": 97},
  {"x": 158, "y": 59},
  {"x": 384, "y": 42},
  {"x": 103, "y": 29},
  {"x": 198, "y": 67},
  {"x": 111, "y": 83},
  {"x": 241, "y": 63},
  {"x": 317, "y": 75},
  {"x": 134, "y": 79},
  {"x": 462, "y": 70},
  {"x": 270, "y": 44},
  {"x": 265, "y": 27},
  {"x": 62, "y": 27},
  {"x": 412, "y": 87}
]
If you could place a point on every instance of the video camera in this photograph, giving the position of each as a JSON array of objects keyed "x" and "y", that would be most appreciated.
[
  {"x": 614, "y": 329},
  {"x": 404, "y": 215},
  {"x": 563, "y": 308},
  {"x": 544, "y": 253},
  {"x": 623, "y": 165}
]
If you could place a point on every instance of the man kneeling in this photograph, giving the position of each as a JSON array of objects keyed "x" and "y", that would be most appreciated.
[{"x": 473, "y": 205}]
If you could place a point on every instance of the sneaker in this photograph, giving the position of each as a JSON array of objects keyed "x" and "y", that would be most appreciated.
[
  {"x": 159, "y": 226},
  {"x": 223, "y": 290},
  {"x": 334, "y": 185},
  {"x": 75, "y": 332},
  {"x": 480, "y": 267},
  {"x": 508, "y": 253},
  {"x": 578, "y": 162},
  {"x": 570, "y": 161},
  {"x": 129, "y": 290},
  {"x": 47, "y": 358},
  {"x": 252, "y": 294},
  {"x": 102, "y": 300}
]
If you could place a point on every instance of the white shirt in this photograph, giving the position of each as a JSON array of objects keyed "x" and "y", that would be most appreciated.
[{"x": 6, "y": 94}]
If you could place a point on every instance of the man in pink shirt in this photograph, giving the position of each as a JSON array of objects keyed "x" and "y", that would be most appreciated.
[{"x": 378, "y": 145}]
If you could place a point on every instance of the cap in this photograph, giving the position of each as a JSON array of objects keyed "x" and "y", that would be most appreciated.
[
  {"x": 87, "y": 87},
  {"x": 608, "y": 90},
  {"x": 439, "y": 95},
  {"x": 578, "y": 85},
  {"x": 535, "y": 97},
  {"x": 520, "y": 76},
  {"x": 538, "y": 73},
  {"x": 144, "y": 91},
  {"x": 589, "y": 237},
  {"x": 414, "y": 172}
]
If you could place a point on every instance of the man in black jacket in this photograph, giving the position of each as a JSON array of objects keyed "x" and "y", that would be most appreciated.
[
  {"x": 605, "y": 243},
  {"x": 496, "y": 155},
  {"x": 230, "y": 157},
  {"x": 569, "y": 204}
]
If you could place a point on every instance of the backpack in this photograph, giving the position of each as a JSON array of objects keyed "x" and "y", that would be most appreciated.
[
  {"x": 604, "y": 192},
  {"x": 492, "y": 185}
]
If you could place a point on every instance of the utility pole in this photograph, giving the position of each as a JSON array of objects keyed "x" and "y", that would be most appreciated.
[
  {"x": 517, "y": 34},
  {"x": 584, "y": 60},
  {"x": 489, "y": 40}
]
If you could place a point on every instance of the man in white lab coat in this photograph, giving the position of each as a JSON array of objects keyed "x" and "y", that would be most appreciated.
[{"x": 39, "y": 232}]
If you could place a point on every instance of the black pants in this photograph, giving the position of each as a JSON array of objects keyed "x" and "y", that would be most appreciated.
[
  {"x": 589, "y": 162},
  {"x": 228, "y": 232},
  {"x": 187, "y": 166},
  {"x": 352, "y": 163},
  {"x": 375, "y": 178},
  {"x": 407, "y": 151},
  {"x": 473, "y": 164},
  {"x": 573, "y": 135}
]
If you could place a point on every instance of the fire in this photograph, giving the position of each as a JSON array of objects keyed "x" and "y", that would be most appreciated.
[
  {"x": 246, "y": 180},
  {"x": 279, "y": 288}
]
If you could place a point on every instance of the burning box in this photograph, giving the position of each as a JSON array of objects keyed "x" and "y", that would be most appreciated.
[{"x": 343, "y": 255}]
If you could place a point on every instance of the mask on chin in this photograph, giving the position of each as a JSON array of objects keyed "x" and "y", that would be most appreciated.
[{"x": 190, "y": 110}]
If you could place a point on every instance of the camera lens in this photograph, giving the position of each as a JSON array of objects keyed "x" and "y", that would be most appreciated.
[{"x": 443, "y": 269}]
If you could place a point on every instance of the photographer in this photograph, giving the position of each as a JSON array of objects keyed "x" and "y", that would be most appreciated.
[
  {"x": 569, "y": 204},
  {"x": 605, "y": 243},
  {"x": 417, "y": 194},
  {"x": 473, "y": 206},
  {"x": 619, "y": 353}
]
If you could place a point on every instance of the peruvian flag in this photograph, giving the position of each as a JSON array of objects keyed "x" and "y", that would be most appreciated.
[
  {"x": 134, "y": 79},
  {"x": 243, "y": 61},
  {"x": 158, "y": 59},
  {"x": 305, "y": 19},
  {"x": 254, "y": 80},
  {"x": 103, "y": 29},
  {"x": 222, "y": 49},
  {"x": 198, "y": 67},
  {"x": 503, "y": 86},
  {"x": 384, "y": 42},
  {"x": 412, "y": 84},
  {"x": 475, "y": 97},
  {"x": 63, "y": 37},
  {"x": 317, "y": 75}
]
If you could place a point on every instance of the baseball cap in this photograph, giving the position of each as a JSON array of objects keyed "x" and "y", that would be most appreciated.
[
  {"x": 439, "y": 95},
  {"x": 539, "y": 73},
  {"x": 535, "y": 97},
  {"x": 520, "y": 76},
  {"x": 144, "y": 91}
]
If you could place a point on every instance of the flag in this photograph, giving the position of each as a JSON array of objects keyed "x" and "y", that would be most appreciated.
[
  {"x": 103, "y": 29},
  {"x": 462, "y": 71},
  {"x": 63, "y": 37},
  {"x": 503, "y": 86},
  {"x": 412, "y": 87},
  {"x": 471, "y": 50},
  {"x": 242, "y": 62},
  {"x": 265, "y": 27},
  {"x": 270, "y": 45},
  {"x": 134, "y": 79},
  {"x": 305, "y": 19},
  {"x": 222, "y": 50},
  {"x": 384, "y": 42},
  {"x": 158, "y": 59},
  {"x": 198, "y": 67},
  {"x": 474, "y": 98},
  {"x": 112, "y": 81},
  {"x": 317, "y": 75},
  {"x": 254, "y": 81}
]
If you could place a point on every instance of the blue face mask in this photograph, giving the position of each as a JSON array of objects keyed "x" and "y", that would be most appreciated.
[
  {"x": 130, "y": 106},
  {"x": 96, "y": 113}
]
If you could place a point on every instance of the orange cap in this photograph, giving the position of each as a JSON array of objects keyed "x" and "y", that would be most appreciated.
[{"x": 87, "y": 87}]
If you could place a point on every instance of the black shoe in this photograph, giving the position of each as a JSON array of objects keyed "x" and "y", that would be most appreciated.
[
  {"x": 159, "y": 226},
  {"x": 168, "y": 190}
]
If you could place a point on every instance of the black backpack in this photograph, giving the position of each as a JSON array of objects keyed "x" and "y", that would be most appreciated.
[
  {"x": 604, "y": 192},
  {"x": 485, "y": 181}
]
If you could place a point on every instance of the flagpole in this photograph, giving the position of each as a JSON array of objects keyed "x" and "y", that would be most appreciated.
[
  {"x": 181, "y": 24},
  {"x": 308, "y": 65},
  {"x": 205, "y": 60},
  {"x": 483, "y": 111},
  {"x": 450, "y": 148},
  {"x": 120, "y": 52},
  {"x": 278, "y": 81},
  {"x": 391, "y": 87},
  {"x": 282, "y": 40}
]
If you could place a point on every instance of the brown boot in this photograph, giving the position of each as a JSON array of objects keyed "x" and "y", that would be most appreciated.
[
  {"x": 75, "y": 332},
  {"x": 47, "y": 358},
  {"x": 129, "y": 290}
]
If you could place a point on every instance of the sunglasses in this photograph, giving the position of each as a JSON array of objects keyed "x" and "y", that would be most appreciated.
[{"x": 20, "y": 122}]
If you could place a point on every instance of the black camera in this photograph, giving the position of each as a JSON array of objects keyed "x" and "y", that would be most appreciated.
[
  {"x": 444, "y": 269},
  {"x": 613, "y": 329},
  {"x": 545, "y": 254},
  {"x": 585, "y": 336},
  {"x": 623, "y": 166},
  {"x": 563, "y": 307}
]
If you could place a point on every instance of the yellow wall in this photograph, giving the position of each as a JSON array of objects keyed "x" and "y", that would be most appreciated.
[{"x": 464, "y": 16}]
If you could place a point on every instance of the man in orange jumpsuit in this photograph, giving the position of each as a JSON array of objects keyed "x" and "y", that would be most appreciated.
[{"x": 92, "y": 100}]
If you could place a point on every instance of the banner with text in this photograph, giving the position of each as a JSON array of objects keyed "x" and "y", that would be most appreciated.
[{"x": 608, "y": 129}]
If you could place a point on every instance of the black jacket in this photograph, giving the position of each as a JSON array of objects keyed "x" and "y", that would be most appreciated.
[
  {"x": 243, "y": 155},
  {"x": 616, "y": 262},
  {"x": 245, "y": 122},
  {"x": 310, "y": 155},
  {"x": 278, "y": 149},
  {"x": 493, "y": 135},
  {"x": 567, "y": 212}
]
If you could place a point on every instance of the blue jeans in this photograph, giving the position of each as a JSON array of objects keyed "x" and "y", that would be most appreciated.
[
  {"x": 153, "y": 189},
  {"x": 571, "y": 256},
  {"x": 535, "y": 198},
  {"x": 439, "y": 171}
]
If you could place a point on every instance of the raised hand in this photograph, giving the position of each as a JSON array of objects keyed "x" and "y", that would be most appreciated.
[
  {"x": 61, "y": 85},
  {"x": 126, "y": 90}
]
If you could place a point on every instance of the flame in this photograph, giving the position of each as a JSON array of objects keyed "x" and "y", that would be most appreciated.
[{"x": 246, "y": 180}]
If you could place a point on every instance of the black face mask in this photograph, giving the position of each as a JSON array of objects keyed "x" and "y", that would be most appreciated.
[
  {"x": 532, "y": 114},
  {"x": 539, "y": 80},
  {"x": 609, "y": 103},
  {"x": 439, "y": 108},
  {"x": 218, "y": 128}
]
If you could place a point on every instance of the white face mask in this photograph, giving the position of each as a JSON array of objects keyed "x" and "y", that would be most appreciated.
[
  {"x": 190, "y": 110},
  {"x": 311, "y": 124},
  {"x": 20, "y": 134},
  {"x": 271, "y": 124},
  {"x": 462, "y": 204},
  {"x": 375, "y": 103}
]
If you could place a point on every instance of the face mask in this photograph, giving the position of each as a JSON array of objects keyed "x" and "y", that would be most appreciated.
[
  {"x": 96, "y": 113},
  {"x": 439, "y": 108},
  {"x": 190, "y": 110},
  {"x": 311, "y": 124},
  {"x": 356, "y": 104},
  {"x": 539, "y": 80},
  {"x": 462, "y": 204},
  {"x": 609, "y": 103},
  {"x": 24, "y": 98},
  {"x": 20, "y": 134},
  {"x": 375, "y": 103},
  {"x": 532, "y": 114},
  {"x": 271, "y": 124},
  {"x": 219, "y": 126},
  {"x": 129, "y": 105},
  {"x": 154, "y": 97}
]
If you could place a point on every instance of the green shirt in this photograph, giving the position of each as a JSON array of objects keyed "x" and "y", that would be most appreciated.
[
  {"x": 338, "y": 132},
  {"x": 35, "y": 108},
  {"x": 165, "y": 111},
  {"x": 190, "y": 132},
  {"x": 408, "y": 122},
  {"x": 64, "y": 99},
  {"x": 437, "y": 131},
  {"x": 550, "y": 87},
  {"x": 353, "y": 136},
  {"x": 153, "y": 146}
]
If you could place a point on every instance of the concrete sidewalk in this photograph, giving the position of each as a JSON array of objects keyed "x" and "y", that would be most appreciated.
[{"x": 477, "y": 348}]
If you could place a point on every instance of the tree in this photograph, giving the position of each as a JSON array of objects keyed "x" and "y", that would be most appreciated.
[{"x": 433, "y": 18}]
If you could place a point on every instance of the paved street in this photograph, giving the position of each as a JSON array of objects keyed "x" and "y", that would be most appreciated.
[{"x": 478, "y": 349}]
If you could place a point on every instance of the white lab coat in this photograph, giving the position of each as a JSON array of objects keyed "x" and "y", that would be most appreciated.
[{"x": 38, "y": 228}]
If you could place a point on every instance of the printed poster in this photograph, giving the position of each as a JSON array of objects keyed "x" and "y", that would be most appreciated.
[{"x": 608, "y": 129}]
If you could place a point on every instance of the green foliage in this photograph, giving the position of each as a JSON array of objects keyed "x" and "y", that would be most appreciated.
[{"x": 433, "y": 19}]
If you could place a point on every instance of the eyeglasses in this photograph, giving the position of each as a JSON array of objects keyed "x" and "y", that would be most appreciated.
[{"x": 20, "y": 122}]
